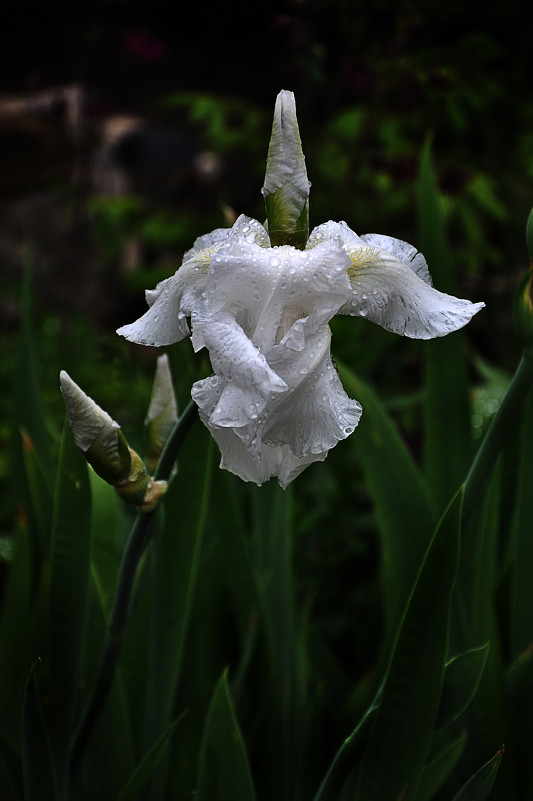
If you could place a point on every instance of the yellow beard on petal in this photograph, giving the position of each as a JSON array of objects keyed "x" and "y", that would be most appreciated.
[{"x": 360, "y": 257}]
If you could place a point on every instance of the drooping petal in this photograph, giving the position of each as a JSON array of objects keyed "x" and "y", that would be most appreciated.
[
  {"x": 316, "y": 413},
  {"x": 272, "y": 461},
  {"x": 391, "y": 286},
  {"x": 173, "y": 299},
  {"x": 389, "y": 293},
  {"x": 293, "y": 428},
  {"x": 165, "y": 321},
  {"x": 243, "y": 380}
]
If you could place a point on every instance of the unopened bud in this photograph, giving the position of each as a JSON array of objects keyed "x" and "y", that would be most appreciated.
[
  {"x": 162, "y": 413},
  {"x": 95, "y": 433},
  {"x": 286, "y": 187},
  {"x": 106, "y": 449}
]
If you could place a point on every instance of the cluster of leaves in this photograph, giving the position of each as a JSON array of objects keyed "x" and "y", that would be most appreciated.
[{"x": 231, "y": 682}]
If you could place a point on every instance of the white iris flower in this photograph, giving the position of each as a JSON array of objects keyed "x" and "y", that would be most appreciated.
[{"x": 261, "y": 307}]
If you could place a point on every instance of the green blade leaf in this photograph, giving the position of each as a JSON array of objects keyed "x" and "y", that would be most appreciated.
[
  {"x": 69, "y": 569},
  {"x": 404, "y": 724},
  {"x": 175, "y": 562},
  {"x": 437, "y": 770},
  {"x": 37, "y": 766},
  {"x": 522, "y": 587},
  {"x": 461, "y": 680},
  {"x": 448, "y": 445},
  {"x": 11, "y": 782},
  {"x": 40, "y": 488},
  {"x": 478, "y": 787},
  {"x": 223, "y": 770},
  {"x": 147, "y": 765},
  {"x": 404, "y": 508},
  {"x": 16, "y": 639}
]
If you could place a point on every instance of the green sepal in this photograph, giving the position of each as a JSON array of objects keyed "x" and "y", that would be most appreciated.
[{"x": 223, "y": 770}]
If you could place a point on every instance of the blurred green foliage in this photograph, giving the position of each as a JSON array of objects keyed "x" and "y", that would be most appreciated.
[{"x": 299, "y": 594}]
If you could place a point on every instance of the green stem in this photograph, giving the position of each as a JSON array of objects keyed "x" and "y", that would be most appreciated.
[
  {"x": 497, "y": 435},
  {"x": 120, "y": 613}
]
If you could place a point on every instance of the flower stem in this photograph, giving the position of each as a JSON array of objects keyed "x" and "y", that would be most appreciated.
[
  {"x": 120, "y": 613},
  {"x": 496, "y": 436}
]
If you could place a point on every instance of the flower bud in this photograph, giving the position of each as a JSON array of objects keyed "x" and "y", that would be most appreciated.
[
  {"x": 286, "y": 187},
  {"x": 106, "y": 449},
  {"x": 95, "y": 433},
  {"x": 162, "y": 413}
]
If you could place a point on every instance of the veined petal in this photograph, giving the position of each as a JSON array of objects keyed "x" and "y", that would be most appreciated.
[
  {"x": 176, "y": 297},
  {"x": 403, "y": 251},
  {"x": 391, "y": 286},
  {"x": 389, "y": 293}
]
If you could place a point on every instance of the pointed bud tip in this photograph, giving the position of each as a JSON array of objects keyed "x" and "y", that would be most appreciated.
[{"x": 95, "y": 432}]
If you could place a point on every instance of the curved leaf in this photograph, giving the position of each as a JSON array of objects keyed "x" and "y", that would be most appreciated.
[
  {"x": 480, "y": 784},
  {"x": 461, "y": 680},
  {"x": 223, "y": 770},
  {"x": 404, "y": 508},
  {"x": 404, "y": 724}
]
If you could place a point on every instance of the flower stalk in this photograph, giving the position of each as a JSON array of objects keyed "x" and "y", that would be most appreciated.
[{"x": 137, "y": 541}]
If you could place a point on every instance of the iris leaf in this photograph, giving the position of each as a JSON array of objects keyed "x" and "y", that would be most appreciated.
[{"x": 407, "y": 714}]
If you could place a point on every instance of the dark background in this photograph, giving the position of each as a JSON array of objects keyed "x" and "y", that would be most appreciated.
[{"x": 129, "y": 128}]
